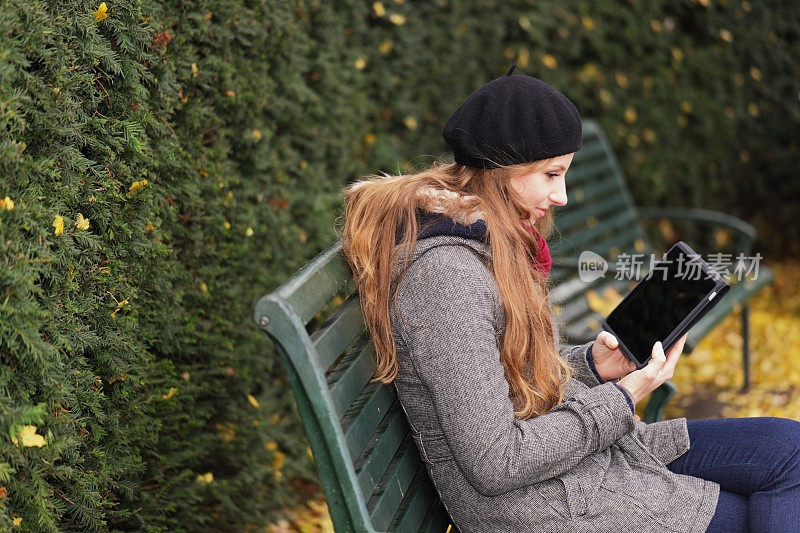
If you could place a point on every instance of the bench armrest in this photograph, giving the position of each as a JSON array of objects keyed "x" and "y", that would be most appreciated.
[{"x": 747, "y": 233}]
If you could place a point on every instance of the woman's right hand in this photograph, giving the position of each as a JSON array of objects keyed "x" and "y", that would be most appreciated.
[{"x": 642, "y": 382}]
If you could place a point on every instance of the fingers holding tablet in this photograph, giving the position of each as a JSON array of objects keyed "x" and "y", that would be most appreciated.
[{"x": 659, "y": 369}]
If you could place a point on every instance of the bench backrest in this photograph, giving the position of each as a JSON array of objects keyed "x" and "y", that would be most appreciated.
[{"x": 370, "y": 469}]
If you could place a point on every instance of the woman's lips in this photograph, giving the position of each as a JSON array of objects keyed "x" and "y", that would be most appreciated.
[{"x": 539, "y": 211}]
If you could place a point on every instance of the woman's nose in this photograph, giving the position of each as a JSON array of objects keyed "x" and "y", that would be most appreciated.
[{"x": 559, "y": 195}]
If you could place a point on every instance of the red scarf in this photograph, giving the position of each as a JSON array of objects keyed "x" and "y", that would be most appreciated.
[{"x": 543, "y": 261}]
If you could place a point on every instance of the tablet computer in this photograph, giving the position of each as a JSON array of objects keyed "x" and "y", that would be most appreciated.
[{"x": 677, "y": 292}]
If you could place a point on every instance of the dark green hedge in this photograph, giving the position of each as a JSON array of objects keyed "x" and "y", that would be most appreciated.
[{"x": 206, "y": 144}]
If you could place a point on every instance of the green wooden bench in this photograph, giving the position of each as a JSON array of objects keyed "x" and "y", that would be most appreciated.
[{"x": 371, "y": 473}]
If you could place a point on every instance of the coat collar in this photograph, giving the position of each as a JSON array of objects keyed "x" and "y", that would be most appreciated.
[{"x": 462, "y": 208}]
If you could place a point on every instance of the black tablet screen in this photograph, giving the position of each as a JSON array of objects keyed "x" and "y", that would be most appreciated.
[{"x": 660, "y": 303}]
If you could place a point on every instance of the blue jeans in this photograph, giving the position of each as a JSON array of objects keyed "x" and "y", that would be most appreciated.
[{"x": 756, "y": 461}]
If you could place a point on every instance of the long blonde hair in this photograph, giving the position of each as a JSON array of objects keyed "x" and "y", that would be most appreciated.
[{"x": 377, "y": 205}]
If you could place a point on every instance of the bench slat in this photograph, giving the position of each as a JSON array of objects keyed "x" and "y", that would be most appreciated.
[
  {"x": 438, "y": 521},
  {"x": 580, "y": 214},
  {"x": 382, "y": 447},
  {"x": 591, "y": 149},
  {"x": 352, "y": 374},
  {"x": 389, "y": 492},
  {"x": 568, "y": 246},
  {"x": 420, "y": 496},
  {"x": 360, "y": 421},
  {"x": 338, "y": 331},
  {"x": 584, "y": 172}
]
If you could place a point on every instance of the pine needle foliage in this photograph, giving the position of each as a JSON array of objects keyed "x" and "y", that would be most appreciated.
[{"x": 164, "y": 164}]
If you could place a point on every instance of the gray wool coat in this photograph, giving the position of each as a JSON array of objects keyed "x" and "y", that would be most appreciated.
[{"x": 587, "y": 465}]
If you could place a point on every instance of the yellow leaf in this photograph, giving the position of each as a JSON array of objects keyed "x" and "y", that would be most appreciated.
[
  {"x": 206, "y": 478},
  {"x": 119, "y": 306},
  {"x": 252, "y": 401},
  {"x": 397, "y": 19},
  {"x": 271, "y": 445},
  {"x": 378, "y": 8},
  {"x": 630, "y": 115},
  {"x": 29, "y": 437},
  {"x": 249, "y": 232},
  {"x": 170, "y": 393},
  {"x": 549, "y": 61},
  {"x": 7, "y": 203},
  {"x": 277, "y": 462},
  {"x": 17, "y": 520},
  {"x": 410, "y": 122},
  {"x": 102, "y": 12},
  {"x": 360, "y": 63},
  {"x": 123, "y": 377},
  {"x": 195, "y": 70},
  {"x": 82, "y": 223},
  {"x": 386, "y": 46},
  {"x": 135, "y": 186},
  {"x": 58, "y": 224}
]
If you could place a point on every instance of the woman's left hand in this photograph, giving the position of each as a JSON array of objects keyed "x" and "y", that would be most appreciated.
[{"x": 609, "y": 360}]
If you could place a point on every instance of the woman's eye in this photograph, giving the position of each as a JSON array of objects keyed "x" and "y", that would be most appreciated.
[{"x": 552, "y": 175}]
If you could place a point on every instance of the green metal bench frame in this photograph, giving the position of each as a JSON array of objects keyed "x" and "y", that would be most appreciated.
[{"x": 369, "y": 467}]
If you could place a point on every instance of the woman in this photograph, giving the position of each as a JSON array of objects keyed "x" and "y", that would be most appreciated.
[{"x": 517, "y": 434}]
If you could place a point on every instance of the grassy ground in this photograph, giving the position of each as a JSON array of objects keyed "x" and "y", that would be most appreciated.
[{"x": 708, "y": 380}]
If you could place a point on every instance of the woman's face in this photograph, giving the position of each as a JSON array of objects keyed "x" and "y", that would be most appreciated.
[{"x": 540, "y": 190}]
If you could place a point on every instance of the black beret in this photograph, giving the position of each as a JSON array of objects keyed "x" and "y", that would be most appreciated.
[{"x": 510, "y": 120}]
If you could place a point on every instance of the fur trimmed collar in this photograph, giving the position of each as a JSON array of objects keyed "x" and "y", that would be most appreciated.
[{"x": 462, "y": 208}]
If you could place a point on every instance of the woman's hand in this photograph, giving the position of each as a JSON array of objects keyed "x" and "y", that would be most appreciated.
[
  {"x": 609, "y": 360},
  {"x": 660, "y": 368}
]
